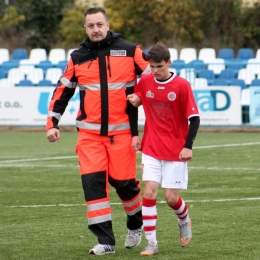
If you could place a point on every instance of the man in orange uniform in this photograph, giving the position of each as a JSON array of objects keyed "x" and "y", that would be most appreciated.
[{"x": 105, "y": 69}]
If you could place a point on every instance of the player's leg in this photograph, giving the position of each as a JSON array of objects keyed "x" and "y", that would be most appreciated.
[
  {"x": 122, "y": 176},
  {"x": 152, "y": 178},
  {"x": 175, "y": 177},
  {"x": 93, "y": 168}
]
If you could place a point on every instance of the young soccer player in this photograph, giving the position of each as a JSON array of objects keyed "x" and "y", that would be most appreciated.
[{"x": 172, "y": 122}]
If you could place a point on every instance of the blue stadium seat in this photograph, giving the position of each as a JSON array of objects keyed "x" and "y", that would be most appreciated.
[
  {"x": 245, "y": 54},
  {"x": 62, "y": 65},
  {"x": 235, "y": 64},
  {"x": 207, "y": 74},
  {"x": 25, "y": 83},
  {"x": 7, "y": 65},
  {"x": 3, "y": 74},
  {"x": 44, "y": 65},
  {"x": 226, "y": 54},
  {"x": 44, "y": 83},
  {"x": 19, "y": 54},
  {"x": 178, "y": 65},
  {"x": 197, "y": 65},
  {"x": 255, "y": 82},
  {"x": 146, "y": 50},
  {"x": 228, "y": 74},
  {"x": 219, "y": 82},
  {"x": 238, "y": 82}
]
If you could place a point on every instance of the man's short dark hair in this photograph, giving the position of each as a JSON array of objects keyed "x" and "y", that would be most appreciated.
[
  {"x": 158, "y": 53},
  {"x": 95, "y": 10}
]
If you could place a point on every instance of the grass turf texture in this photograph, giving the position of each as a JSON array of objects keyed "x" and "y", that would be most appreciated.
[{"x": 42, "y": 207}]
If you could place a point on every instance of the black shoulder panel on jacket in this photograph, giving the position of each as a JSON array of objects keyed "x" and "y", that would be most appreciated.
[
  {"x": 83, "y": 55},
  {"x": 122, "y": 44}
]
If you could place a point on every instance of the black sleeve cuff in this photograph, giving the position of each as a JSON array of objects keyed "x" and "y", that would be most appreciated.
[
  {"x": 132, "y": 113},
  {"x": 193, "y": 129}
]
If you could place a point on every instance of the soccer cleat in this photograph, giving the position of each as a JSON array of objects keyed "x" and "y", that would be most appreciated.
[
  {"x": 100, "y": 249},
  {"x": 151, "y": 249},
  {"x": 133, "y": 238},
  {"x": 185, "y": 233}
]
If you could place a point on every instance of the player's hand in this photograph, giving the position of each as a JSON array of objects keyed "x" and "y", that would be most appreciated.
[
  {"x": 136, "y": 143},
  {"x": 53, "y": 135},
  {"x": 134, "y": 100},
  {"x": 185, "y": 155}
]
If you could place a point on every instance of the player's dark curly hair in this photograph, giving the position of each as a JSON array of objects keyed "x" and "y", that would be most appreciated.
[{"x": 158, "y": 53}]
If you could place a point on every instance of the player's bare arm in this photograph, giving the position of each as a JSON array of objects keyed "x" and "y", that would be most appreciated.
[
  {"x": 134, "y": 100},
  {"x": 53, "y": 135}
]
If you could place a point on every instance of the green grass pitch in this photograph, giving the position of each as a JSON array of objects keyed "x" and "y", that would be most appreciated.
[{"x": 43, "y": 213}]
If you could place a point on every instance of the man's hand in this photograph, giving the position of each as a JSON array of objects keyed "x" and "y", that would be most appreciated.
[
  {"x": 136, "y": 143},
  {"x": 134, "y": 100},
  {"x": 185, "y": 155},
  {"x": 53, "y": 135}
]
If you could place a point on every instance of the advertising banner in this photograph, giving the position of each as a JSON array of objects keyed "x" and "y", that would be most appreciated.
[
  {"x": 254, "y": 107},
  {"x": 219, "y": 105},
  {"x": 29, "y": 106}
]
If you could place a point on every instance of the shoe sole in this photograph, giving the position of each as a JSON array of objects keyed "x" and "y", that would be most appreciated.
[
  {"x": 93, "y": 253},
  {"x": 149, "y": 254},
  {"x": 183, "y": 245}
]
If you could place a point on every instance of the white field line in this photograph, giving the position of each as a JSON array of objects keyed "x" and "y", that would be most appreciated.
[
  {"x": 40, "y": 165},
  {"x": 222, "y": 168},
  {"x": 225, "y": 145},
  {"x": 118, "y": 203},
  {"x": 38, "y": 159},
  {"x": 70, "y": 157}
]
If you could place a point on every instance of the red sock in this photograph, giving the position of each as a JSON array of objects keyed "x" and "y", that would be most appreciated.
[{"x": 181, "y": 209}]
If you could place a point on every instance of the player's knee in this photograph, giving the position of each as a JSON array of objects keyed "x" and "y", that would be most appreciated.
[{"x": 171, "y": 200}]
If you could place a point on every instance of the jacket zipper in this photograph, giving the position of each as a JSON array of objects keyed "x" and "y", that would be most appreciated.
[
  {"x": 111, "y": 138},
  {"x": 90, "y": 64},
  {"x": 108, "y": 66}
]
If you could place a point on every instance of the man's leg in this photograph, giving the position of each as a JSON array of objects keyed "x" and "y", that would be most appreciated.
[
  {"x": 93, "y": 168},
  {"x": 122, "y": 176}
]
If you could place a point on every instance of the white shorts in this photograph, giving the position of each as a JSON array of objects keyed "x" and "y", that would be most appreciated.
[{"x": 169, "y": 174}]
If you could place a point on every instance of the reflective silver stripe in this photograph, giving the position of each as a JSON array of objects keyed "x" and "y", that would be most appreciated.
[
  {"x": 119, "y": 127},
  {"x": 56, "y": 115},
  {"x": 97, "y": 220},
  {"x": 132, "y": 212},
  {"x": 90, "y": 87},
  {"x": 147, "y": 70},
  {"x": 92, "y": 126},
  {"x": 130, "y": 204},
  {"x": 96, "y": 206},
  {"x": 117, "y": 85},
  {"x": 68, "y": 83}
]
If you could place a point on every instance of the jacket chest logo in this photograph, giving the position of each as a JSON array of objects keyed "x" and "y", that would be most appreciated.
[{"x": 117, "y": 52}]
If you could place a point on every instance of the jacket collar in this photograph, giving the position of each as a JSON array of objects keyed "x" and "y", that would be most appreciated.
[{"x": 110, "y": 38}]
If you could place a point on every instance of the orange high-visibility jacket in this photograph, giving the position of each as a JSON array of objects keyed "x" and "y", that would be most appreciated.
[{"x": 105, "y": 73}]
